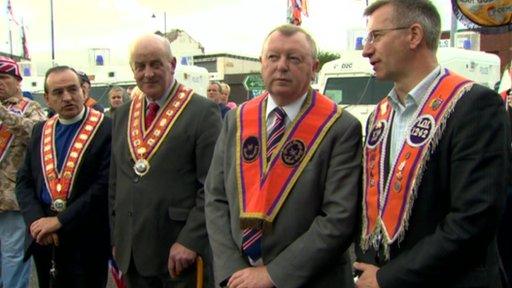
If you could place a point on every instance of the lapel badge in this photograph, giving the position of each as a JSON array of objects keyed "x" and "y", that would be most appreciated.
[
  {"x": 383, "y": 108},
  {"x": 436, "y": 103},
  {"x": 397, "y": 186}
]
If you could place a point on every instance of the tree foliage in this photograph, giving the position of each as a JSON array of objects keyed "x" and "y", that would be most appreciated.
[{"x": 326, "y": 56}]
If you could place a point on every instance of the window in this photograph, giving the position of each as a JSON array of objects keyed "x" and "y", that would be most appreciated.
[{"x": 357, "y": 90}]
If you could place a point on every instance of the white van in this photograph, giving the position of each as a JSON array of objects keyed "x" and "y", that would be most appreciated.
[{"x": 349, "y": 80}]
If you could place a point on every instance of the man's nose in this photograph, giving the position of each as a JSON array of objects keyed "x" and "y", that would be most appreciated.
[
  {"x": 66, "y": 96},
  {"x": 148, "y": 72},
  {"x": 368, "y": 50},
  {"x": 282, "y": 64}
]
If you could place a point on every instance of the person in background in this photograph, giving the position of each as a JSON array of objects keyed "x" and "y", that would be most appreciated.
[
  {"x": 281, "y": 193},
  {"x": 17, "y": 117},
  {"x": 116, "y": 98},
  {"x": 89, "y": 101},
  {"x": 214, "y": 93},
  {"x": 226, "y": 91},
  {"x": 62, "y": 188},
  {"x": 436, "y": 160},
  {"x": 129, "y": 91},
  {"x": 27, "y": 95}
]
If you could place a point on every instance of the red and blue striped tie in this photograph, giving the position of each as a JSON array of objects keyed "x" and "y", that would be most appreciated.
[{"x": 251, "y": 237}]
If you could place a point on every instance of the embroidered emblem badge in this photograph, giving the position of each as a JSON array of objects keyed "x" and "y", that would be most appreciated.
[
  {"x": 421, "y": 130},
  {"x": 376, "y": 134},
  {"x": 293, "y": 152},
  {"x": 250, "y": 149}
]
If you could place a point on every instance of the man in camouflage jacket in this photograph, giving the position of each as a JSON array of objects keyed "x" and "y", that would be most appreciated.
[{"x": 17, "y": 117}]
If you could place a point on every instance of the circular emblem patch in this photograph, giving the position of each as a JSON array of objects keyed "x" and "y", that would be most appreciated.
[
  {"x": 376, "y": 134},
  {"x": 293, "y": 152},
  {"x": 421, "y": 130},
  {"x": 250, "y": 149}
]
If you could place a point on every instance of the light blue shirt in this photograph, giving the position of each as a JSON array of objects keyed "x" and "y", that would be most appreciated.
[{"x": 405, "y": 113}]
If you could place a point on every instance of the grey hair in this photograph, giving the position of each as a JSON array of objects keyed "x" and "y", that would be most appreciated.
[{"x": 408, "y": 12}]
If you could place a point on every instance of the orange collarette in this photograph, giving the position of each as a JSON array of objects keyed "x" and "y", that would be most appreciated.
[
  {"x": 144, "y": 142},
  {"x": 60, "y": 183}
]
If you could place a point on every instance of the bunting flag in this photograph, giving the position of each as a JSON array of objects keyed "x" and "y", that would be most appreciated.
[
  {"x": 297, "y": 8},
  {"x": 484, "y": 16},
  {"x": 11, "y": 14},
  {"x": 26, "y": 54}
]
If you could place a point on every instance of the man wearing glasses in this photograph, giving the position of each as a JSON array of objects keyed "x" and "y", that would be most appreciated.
[{"x": 436, "y": 160}]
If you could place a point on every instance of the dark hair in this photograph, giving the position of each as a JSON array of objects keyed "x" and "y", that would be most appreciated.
[
  {"x": 57, "y": 69},
  {"x": 408, "y": 12}
]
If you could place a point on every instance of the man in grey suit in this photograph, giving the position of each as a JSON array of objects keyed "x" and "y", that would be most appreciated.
[
  {"x": 281, "y": 193},
  {"x": 162, "y": 145}
]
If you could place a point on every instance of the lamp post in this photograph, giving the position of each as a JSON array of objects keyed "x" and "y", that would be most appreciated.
[
  {"x": 165, "y": 21},
  {"x": 52, "y": 31}
]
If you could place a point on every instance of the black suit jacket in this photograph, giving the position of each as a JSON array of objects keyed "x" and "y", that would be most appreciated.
[
  {"x": 85, "y": 231},
  {"x": 450, "y": 238}
]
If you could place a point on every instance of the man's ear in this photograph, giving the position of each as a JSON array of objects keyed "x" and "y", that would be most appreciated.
[{"x": 417, "y": 35}]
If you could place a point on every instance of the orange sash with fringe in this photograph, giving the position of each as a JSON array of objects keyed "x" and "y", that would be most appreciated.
[
  {"x": 264, "y": 186},
  {"x": 388, "y": 200},
  {"x": 6, "y": 136}
]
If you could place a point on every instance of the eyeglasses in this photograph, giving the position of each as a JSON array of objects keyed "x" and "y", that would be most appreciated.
[{"x": 374, "y": 35}]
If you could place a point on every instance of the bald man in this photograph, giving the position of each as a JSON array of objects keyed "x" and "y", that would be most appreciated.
[{"x": 157, "y": 172}]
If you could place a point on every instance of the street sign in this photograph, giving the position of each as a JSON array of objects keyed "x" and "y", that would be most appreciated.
[{"x": 254, "y": 85}]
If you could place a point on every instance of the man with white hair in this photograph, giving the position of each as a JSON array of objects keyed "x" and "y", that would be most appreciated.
[{"x": 162, "y": 146}]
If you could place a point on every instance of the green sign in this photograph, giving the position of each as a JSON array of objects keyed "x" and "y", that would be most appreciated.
[{"x": 254, "y": 84}]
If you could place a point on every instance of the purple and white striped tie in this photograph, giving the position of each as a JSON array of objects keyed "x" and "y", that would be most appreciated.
[
  {"x": 276, "y": 131},
  {"x": 251, "y": 237}
]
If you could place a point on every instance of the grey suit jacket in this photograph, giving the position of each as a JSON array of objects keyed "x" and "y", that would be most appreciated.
[
  {"x": 150, "y": 213},
  {"x": 311, "y": 233}
]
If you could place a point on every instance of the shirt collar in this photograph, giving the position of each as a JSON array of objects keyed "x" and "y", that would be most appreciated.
[
  {"x": 418, "y": 93},
  {"x": 291, "y": 109},
  {"x": 74, "y": 119}
]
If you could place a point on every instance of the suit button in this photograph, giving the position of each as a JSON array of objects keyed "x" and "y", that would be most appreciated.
[
  {"x": 130, "y": 213},
  {"x": 136, "y": 179}
]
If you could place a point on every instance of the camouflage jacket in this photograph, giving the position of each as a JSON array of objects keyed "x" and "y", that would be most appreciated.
[{"x": 21, "y": 128}]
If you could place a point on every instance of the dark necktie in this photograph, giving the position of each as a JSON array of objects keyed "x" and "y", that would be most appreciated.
[
  {"x": 251, "y": 237},
  {"x": 276, "y": 132},
  {"x": 151, "y": 112}
]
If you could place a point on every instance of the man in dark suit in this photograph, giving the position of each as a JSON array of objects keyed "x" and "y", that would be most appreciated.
[
  {"x": 281, "y": 193},
  {"x": 436, "y": 162},
  {"x": 62, "y": 188},
  {"x": 162, "y": 144}
]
